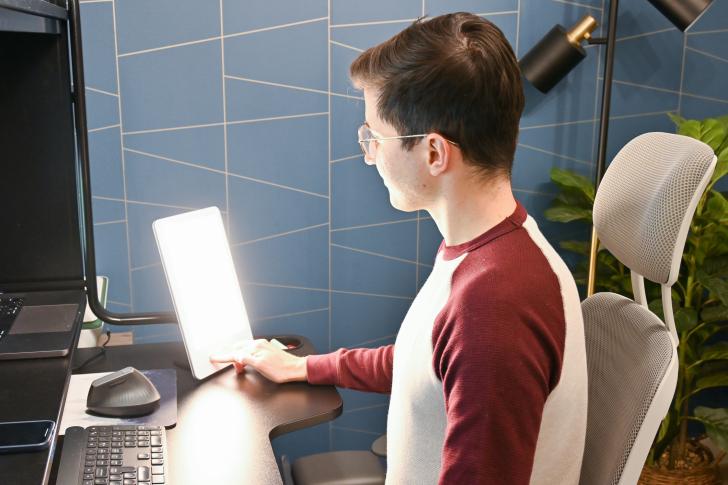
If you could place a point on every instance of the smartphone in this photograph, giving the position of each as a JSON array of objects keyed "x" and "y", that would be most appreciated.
[{"x": 26, "y": 435}]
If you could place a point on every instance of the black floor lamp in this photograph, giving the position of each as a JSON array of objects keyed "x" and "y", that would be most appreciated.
[
  {"x": 83, "y": 155},
  {"x": 559, "y": 51}
]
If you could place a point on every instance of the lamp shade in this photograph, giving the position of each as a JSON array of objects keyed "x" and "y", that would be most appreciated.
[
  {"x": 682, "y": 13},
  {"x": 551, "y": 59}
]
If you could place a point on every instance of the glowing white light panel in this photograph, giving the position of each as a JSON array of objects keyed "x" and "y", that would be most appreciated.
[{"x": 204, "y": 287}]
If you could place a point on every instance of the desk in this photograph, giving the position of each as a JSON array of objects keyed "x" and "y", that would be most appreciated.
[
  {"x": 224, "y": 423},
  {"x": 31, "y": 389}
]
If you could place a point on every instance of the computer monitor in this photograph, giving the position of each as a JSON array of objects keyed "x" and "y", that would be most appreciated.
[
  {"x": 39, "y": 209},
  {"x": 204, "y": 285}
]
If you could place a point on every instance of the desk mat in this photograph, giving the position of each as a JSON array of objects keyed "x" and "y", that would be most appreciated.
[{"x": 74, "y": 411}]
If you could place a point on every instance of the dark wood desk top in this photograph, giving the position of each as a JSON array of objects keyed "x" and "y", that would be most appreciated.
[
  {"x": 225, "y": 423},
  {"x": 31, "y": 389}
]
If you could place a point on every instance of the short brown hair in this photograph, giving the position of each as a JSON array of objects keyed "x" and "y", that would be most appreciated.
[{"x": 455, "y": 75}]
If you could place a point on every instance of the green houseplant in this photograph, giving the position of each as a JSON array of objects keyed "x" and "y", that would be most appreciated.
[{"x": 700, "y": 297}]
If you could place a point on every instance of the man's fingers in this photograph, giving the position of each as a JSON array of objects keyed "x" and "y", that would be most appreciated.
[
  {"x": 227, "y": 357},
  {"x": 223, "y": 357},
  {"x": 249, "y": 358}
]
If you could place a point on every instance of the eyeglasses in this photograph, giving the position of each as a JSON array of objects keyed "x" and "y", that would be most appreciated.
[{"x": 369, "y": 142}]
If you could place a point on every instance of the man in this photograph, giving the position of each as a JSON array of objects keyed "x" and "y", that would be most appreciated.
[{"x": 488, "y": 372}]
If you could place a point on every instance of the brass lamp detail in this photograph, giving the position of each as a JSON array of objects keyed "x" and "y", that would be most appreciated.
[{"x": 582, "y": 30}]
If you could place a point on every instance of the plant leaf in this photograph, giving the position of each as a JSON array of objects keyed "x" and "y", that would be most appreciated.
[
  {"x": 714, "y": 313},
  {"x": 718, "y": 351},
  {"x": 567, "y": 178},
  {"x": 689, "y": 128},
  {"x": 573, "y": 197},
  {"x": 578, "y": 247},
  {"x": 721, "y": 167},
  {"x": 716, "y": 207},
  {"x": 677, "y": 119},
  {"x": 655, "y": 307},
  {"x": 717, "y": 286},
  {"x": 712, "y": 380},
  {"x": 685, "y": 319},
  {"x": 713, "y": 368},
  {"x": 716, "y": 424},
  {"x": 712, "y": 132},
  {"x": 567, "y": 214},
  {"x": 716, "y": 266}
]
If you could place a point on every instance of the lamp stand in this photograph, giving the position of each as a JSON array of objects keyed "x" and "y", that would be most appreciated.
[{"x": 603, "y": 129}]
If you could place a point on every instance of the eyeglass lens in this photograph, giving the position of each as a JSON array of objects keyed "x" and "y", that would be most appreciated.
[{"x": 367, "y": 142}]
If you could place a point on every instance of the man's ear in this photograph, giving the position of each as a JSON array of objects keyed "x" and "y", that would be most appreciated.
[{"x": 439, "y": 154}]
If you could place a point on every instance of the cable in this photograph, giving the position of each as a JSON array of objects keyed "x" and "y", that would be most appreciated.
[{"x": 98, "y": 354}]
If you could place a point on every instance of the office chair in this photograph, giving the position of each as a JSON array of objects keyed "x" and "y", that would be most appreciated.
[
  {"x": 338, "y": 467},
  {"x": 642, "y": 214}
]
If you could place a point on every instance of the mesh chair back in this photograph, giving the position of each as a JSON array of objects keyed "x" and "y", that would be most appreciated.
[
  {"x": 629, "y": 353},
  {"x": 641, "y": 211}
]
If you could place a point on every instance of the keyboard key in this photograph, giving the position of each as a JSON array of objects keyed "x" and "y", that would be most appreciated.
[
  {"x": 88, "y": 482},
  {"x": 158, "y": 470},
  {"x": 130, "y": 475},
  {"x": 116, "y": 463},
  {"x": 129, "y": 481},
  {"x": 101, "y": 472},
  {"x": 157, "y": 479},
  {"x": 143, "y": 473},
  {"x": 156, "y": 441},
  {"x": 157, "y": 461},
  {"x": 114, "y": 478},
  {"x": 143, "y": 456}
]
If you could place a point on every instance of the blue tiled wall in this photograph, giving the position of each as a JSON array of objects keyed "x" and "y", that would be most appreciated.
[{"x": 247, "y": 106}]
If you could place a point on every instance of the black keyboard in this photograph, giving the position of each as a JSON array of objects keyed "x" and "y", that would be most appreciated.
[
  {"x": 9, "y": 309},
  {"x": 113, "y": 455}
]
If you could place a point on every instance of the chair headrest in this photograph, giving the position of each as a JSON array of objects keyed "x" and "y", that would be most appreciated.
[{"x": 646, "y": 200}]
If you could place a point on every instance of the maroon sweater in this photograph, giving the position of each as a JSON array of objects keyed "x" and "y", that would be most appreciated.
[{"x": 486, "y": 337}]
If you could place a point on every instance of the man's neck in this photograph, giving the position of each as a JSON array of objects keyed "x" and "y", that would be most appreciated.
[{"x": 467, "y": 210}]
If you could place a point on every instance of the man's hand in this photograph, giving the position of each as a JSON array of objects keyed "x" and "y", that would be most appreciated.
[{"x": 268, "y": 359}]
